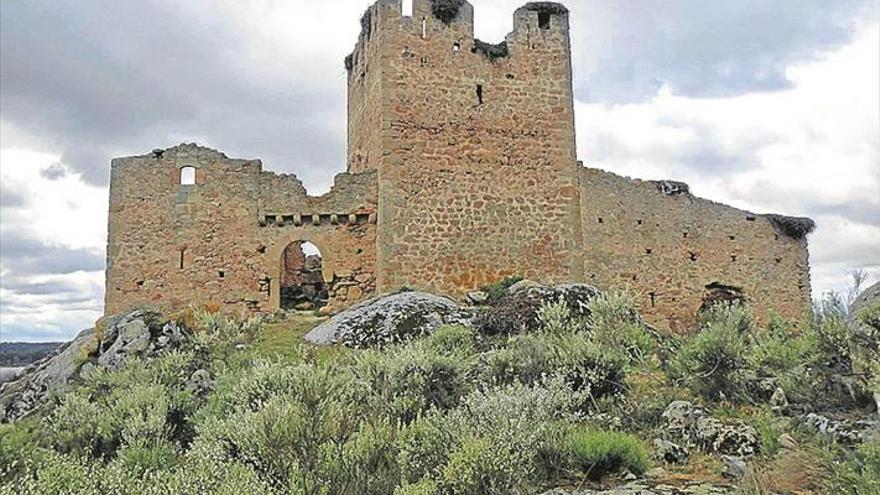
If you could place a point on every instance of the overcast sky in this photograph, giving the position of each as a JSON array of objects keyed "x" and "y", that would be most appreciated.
[{"x": 768, "y": 105}]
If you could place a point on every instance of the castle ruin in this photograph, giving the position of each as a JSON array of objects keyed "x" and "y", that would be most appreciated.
[{"x": 461, "y": 170}]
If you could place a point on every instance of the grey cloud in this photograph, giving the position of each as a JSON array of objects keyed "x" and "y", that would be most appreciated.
[
  {"x": 700, "y": 48},
  {"x": 26, "y": 256},
  {"x": 102, "y": 79},
  {"x": 54, "y": 172},
  {"x": 10, "y": 198}
]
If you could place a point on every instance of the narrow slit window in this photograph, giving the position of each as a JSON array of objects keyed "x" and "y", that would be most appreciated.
[
  {"x": 180, "y": 255},
  {"x": 544, "y": 20},
  {"x": 480, "y": 94},
  {"x": 187, "y": 176},
  {"x": 653, "y": 297},
  {"x": 424, "y": 28}
]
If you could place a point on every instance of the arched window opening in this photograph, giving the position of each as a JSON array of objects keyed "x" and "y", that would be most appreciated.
[
  {"x": 302, "y": 278},
  {"x": 187, "y": 176}
]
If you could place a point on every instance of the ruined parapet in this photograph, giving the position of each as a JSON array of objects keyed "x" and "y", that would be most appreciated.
[
  {"x": 678, "y": 253},
  {"x": 187, "y": 225}
]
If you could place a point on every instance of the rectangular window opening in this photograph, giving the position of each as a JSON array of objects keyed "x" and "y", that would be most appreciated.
[
  {"x": 221, "y": 274},
  {"x": 653, "y": 297},
  {"x": 480, "y": 94},
  {"x": 544, "y": 20},
  {"x": 407, "y": 9}
]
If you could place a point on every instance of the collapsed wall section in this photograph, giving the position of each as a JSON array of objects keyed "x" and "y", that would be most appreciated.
[
  {"x": 677, "y": 253},
  {"x": 219, "y": 240},
  {"x": 341, "y": 223}
]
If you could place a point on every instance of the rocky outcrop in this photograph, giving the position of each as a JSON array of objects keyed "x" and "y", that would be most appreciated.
[
  {"x": 845, "y": 431},
  {"x": 691, "y": 425},
  {"x": 388, "y": 320},
  {"x": 140, "y": 334}
]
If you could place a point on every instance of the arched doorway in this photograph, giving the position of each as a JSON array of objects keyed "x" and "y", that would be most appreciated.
[{"x": 302, "y": 284}]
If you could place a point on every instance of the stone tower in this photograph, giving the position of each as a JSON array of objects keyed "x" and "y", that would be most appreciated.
[{"x": 473, "y": 143}]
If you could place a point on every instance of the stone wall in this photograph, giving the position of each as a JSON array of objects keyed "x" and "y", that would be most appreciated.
[
  {"x": 666, "y": 246},
  {"x": 477, "y": 175},
  {"x": 221, "y": 241}
]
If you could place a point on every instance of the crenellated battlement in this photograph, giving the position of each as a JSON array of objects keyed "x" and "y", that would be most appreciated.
[{"x": 451, "y": 23}]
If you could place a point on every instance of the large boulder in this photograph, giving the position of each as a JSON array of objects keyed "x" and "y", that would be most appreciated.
[
  {"x": 389, "y": 319},
  {"x": 140, "y": 334}
]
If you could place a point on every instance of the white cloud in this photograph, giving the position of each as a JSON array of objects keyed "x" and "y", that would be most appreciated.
[
  {"x": 813, "y": 149},
  {"x": 64, "y": 212}
]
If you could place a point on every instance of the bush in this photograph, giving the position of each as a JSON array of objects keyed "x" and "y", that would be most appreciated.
[
  {"x": 711, "y": 362},
  {"x": 590, "y": 371},
  {"x": 406, "y": 381},
  {"x": 299, "y": 436},
  {"x": 499, "y": 289},
  {"x": 80, "y": 426},
  {"x": 858, "y": 473},
  {"x": 495, "y": 440},
  {"x": 614, "y": 324},
  {"x": 599, "y": 453},
  {"x": 458, "y": 340}
]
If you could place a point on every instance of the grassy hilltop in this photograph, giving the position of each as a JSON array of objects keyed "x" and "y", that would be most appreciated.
[{"x": 575, "y": 402}]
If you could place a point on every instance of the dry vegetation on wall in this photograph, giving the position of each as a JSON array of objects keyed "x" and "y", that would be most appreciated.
[
  {"x": 446, "y": 10},
  {"x": 794, "y": 227},
  {"x": 498, "y": 50},
  {"x": 548, "y": 8}
]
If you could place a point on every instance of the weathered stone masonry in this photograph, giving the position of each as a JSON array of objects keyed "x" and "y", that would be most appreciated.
[{"x": 461, "y": 170}]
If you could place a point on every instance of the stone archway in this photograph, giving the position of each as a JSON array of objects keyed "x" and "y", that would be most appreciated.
[{"x": 301, "y": 282}]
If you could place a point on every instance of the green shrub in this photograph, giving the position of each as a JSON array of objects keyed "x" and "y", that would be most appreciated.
[
  {"x": 479, "y": 467},
  {"x": 424, "y": 447},
  {"x": 452, "y": 339},
  {"x": 711, "y": 362},
  {"x": 599, "y": 453},
  {"x": 298, "y": 436},
  {"x": 858, "y": 473},
  {"x": 556, "y": 319},
  {"x": 145, "y": 457},
  {"x": 613, "y": 323},
  {"x": 424, "y": 487},
  {"x": 498, "y": 289},
  {"x": 589, "y": 370},
  {"x": 409, "y": 380},
  {"x": 20, "y": 447},
  {"x": 81, "y": 426},
  {"x": 524, "y": 359}
]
